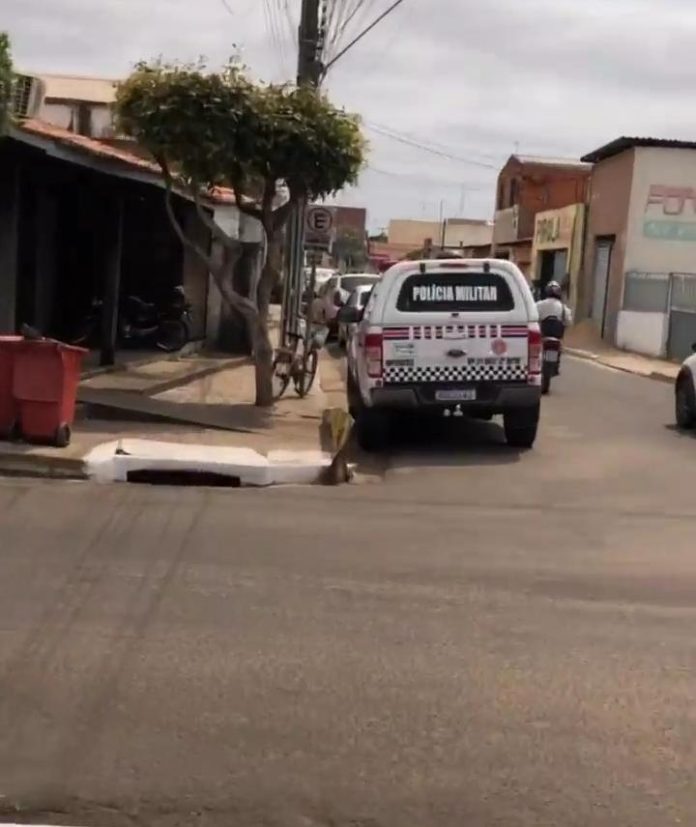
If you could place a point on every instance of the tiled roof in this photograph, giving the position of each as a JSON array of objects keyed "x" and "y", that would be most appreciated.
[
  {"x": 620, "y": 145},
  {"x": 88, "y": 146},
  {"x": 107, "y": 152}
]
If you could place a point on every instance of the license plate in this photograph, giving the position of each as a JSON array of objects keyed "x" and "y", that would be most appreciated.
[
  {"x": 462, "y": 395},
  {"x": 550, "y": 355}
]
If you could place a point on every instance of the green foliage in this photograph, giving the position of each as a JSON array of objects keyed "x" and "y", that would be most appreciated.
[
  {"x": 6, "y": 80},
  {"x": 220, "y": 129}
]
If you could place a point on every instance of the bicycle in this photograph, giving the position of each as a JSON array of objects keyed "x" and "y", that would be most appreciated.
[{"x": 296, "y": 363}]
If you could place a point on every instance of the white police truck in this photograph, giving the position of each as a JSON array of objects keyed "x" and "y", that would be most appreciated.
[{"x": 446, "y": 337}]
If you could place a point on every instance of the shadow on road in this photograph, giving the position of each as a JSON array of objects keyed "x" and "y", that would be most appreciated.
[
  {"x": 450, "y": 442},
  {"x": 439, "y": 443},
  {"x": 680, "y": 432}
]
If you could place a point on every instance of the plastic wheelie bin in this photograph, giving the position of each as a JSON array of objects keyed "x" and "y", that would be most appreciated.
[
  {"x": 8, "y": 406},
  {"x": 46, "y": 376}
]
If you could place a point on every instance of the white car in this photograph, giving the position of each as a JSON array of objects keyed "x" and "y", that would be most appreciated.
[
  {"x": 358, "y": 298},
  {"x": 685, "y": 393},
  {"x": 335, "y": 293},
  {"x": 446, "y": 337}
]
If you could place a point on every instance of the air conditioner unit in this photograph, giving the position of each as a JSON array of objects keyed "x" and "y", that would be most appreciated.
[{"x": 27, "y": 96}]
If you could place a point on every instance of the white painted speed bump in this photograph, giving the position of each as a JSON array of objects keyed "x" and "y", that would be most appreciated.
[{"x": 114, "y": 461}]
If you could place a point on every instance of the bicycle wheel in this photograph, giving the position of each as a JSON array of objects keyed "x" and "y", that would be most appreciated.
[
  {"x": 172, "y": 335},
  {"x": 282, "y": 367},
  {"x": 305, "y": 378}
]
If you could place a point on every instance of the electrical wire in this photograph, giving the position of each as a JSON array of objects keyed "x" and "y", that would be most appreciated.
[
  {"x": 274, "y": 30},
  {"x": 430, "y": 149},
  {"x": 412, "y": 136},
  {"x": 473, "y": 186}
]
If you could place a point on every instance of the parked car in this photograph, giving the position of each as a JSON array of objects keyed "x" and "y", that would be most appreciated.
[
  {"x": 335, "y": 293},
  {"x": 685, "y": 393},
  {"x": 358, "y": 298},
  {"x": 457, "y": 337}
]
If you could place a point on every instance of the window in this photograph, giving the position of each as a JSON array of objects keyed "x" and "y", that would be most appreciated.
[
  {"x": 501, "y": 195},
  {"x": 514, "y": 191},
  {"x": 454, "y": 293}
]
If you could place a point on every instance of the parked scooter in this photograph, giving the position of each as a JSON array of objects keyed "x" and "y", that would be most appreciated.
[
  {"x": 142, "y": 323},
  {"x": 552, "y": 330}
]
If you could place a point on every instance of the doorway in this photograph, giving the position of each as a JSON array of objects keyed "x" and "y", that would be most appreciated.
[{"x": 604, "y": 247}]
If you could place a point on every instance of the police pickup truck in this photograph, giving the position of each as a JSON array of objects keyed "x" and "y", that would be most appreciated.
[{"x": 446, "y": 337}]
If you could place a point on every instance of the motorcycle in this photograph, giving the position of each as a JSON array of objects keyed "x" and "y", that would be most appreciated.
[
  {"x": 141, "y": 323},
  {"x": 552, "y": 330}
]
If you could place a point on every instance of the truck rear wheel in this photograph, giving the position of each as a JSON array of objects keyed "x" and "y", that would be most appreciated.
[
  {"x": 521, "y": 427},
  {"x": 353, "y": 397},
  {"x": 372, "y": 429}
]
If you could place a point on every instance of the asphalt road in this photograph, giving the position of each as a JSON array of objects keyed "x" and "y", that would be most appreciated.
[{"x": 482, "y": 637}]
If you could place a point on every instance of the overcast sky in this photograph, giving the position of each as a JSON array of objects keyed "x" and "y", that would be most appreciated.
[{"x": 472, "y": 79}]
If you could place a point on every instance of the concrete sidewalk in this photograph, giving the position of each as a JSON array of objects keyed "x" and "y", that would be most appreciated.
[
  {"x": 225, "y": 396},
  {"x": 584, "y": 342}
]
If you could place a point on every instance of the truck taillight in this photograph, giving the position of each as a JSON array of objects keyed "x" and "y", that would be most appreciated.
[
  {"x": 534, "y": 349},
  {"x": 373, "y": 355}
]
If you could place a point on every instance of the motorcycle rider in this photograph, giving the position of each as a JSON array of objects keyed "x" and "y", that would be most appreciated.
[{"x": 552, "y": 307}]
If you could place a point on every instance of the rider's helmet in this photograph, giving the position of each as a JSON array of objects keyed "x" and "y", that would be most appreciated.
[{"x": 553, "y": 290}]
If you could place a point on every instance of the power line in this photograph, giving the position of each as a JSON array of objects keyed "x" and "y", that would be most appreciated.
[
  {"x": 427, "y": 141},
  {"x": 430, "y": 149},
  {"x": 474, "y": 186},
  {"x": 394, "y": 6},
  {"x": 275, "y": 30}
]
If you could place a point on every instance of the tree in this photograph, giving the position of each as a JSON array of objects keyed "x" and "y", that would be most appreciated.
[
  {"x": 6, "y": 81},
  {"x": 272, "y": 145},
  {"x": 350, "y": 249}
]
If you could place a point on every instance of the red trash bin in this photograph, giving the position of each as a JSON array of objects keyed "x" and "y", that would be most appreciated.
[
  {"x": 8, "y": 407},
  {"x": 44, "y": 386}
]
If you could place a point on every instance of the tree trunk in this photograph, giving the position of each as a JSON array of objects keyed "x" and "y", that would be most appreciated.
[
  {"x": 263, "y": 348},
  {"x": 263, "y": 362}
]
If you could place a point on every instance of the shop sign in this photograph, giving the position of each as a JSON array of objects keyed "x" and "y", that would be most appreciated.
[
  {"x": 554, "y": 229},
  {"x": 666, "y": 209}
]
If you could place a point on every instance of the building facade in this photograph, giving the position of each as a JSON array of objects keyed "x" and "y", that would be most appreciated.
[
  {"x": 528, "y": 185},
  {"x": 468, "y": 236},
  {"x": 640, "y": 252}
]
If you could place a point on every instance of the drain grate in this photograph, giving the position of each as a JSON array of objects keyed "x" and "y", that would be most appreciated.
[{"x": 209, "y": 479}]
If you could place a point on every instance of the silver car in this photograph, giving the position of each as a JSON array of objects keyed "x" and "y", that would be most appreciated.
[{"x": 358, "y": 298}]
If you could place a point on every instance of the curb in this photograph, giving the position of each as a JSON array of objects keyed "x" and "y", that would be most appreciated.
[
  {"x": 595, "y": 357},
  {"x": 42, "y": 467}
]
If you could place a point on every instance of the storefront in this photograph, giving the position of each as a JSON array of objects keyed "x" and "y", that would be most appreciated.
[{"x": 557, "y": 249}]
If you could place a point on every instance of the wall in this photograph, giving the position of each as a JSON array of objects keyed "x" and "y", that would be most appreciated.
[
  {"x": 642, "y": 332},
  {"x": 350, "y": 219},
  {"x": 505, "y": 229},
  {"x": 662, "y": 217},
  {"x": 65, "y": 115},
  {"x": 540, "y": 186},
  {"x": 220, "y": 320},
  {"x": 459, "y": 233},
  {"x": 610, "y": 194},
  {"x": 406, "y": 231}
]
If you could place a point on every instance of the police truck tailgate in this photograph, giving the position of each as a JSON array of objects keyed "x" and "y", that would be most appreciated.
[{"x": 456, "y": 326}]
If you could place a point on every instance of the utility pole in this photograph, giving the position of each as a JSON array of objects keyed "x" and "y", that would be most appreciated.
[
  {"x": 309, "y": 72},
  {"x": 308, "y": 63}
]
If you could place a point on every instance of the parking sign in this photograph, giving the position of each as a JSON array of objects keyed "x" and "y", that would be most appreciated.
[{"x": 319, "y": 223}]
